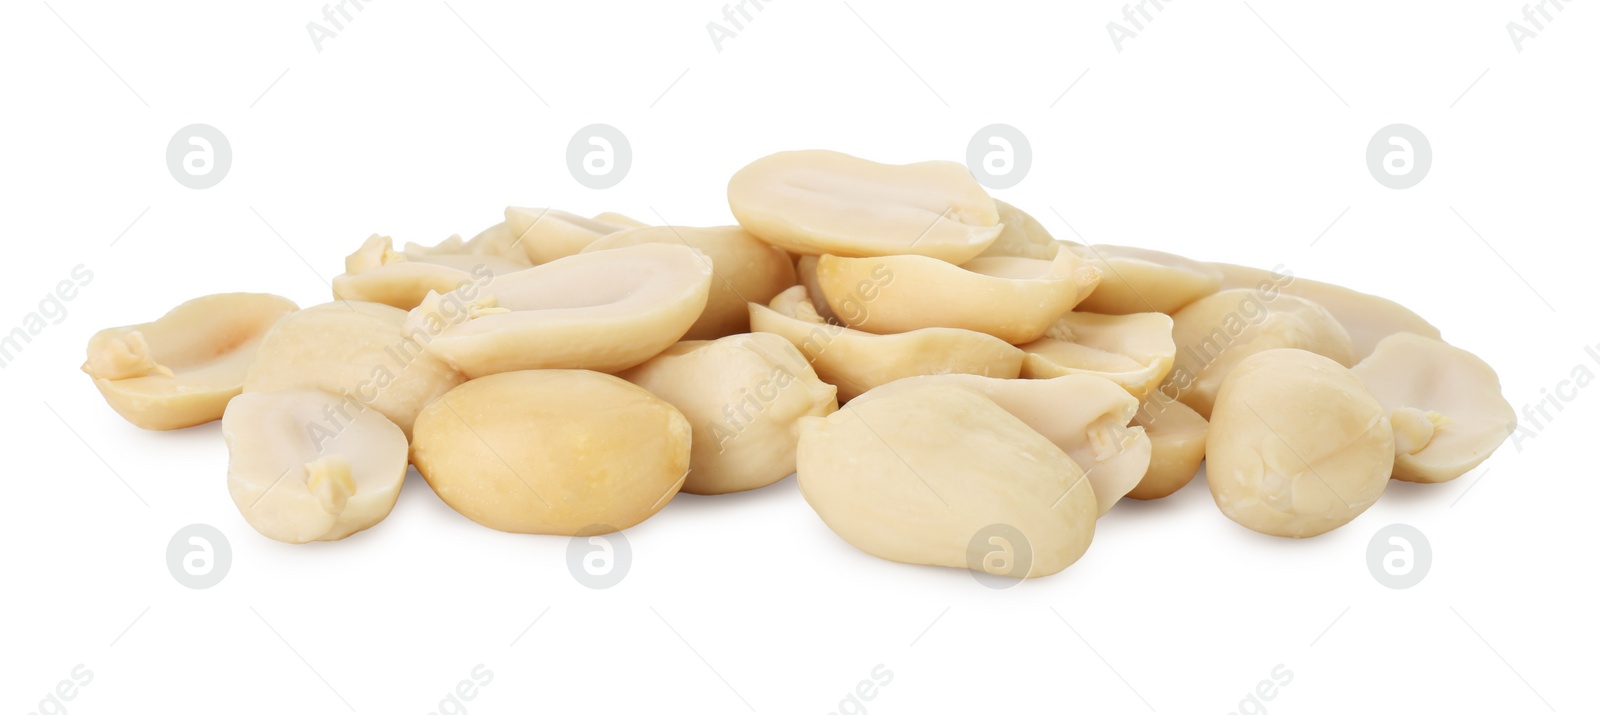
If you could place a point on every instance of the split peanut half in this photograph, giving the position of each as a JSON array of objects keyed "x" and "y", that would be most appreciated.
[
  {"x": 377, "y": 273},
  {"x": 744, "y": 396},
  {"x": 744, "y": 270},
  {"x": 361, "y": 352},
  {"x": 552, "y": 451},
  {"x": 1014, "y": 299},
  {"x": 1444, "y": 403},
  {"x": 1022, "y": 236},
  {"x": 816, "y": 202},
  {"x": 1134, "y": 350},
  {"x": 305, "y": 465},
  {"x": 1086, "y": 416},
  {"x": 606, "y": 311},
  {"x": 1297, "y": 445},
  {"x": 545, "y": 235},
  {"x": 500, "y": 242},
  {"x": 181, "y": 369},
  {"x": 620, "y": 221},
  {"x": 918, "y": 476},
  {"x": 1367, "y": 318},
  {"x": 1177, "y": 445},
  {"x": 1138, "y": 280},
  {"x": 1215, "y": 333},
  {"x": 805, "y": 268},
  {"x": 855, "y": 361}
]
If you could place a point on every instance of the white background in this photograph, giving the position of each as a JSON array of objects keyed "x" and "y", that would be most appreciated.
[{"x": 1205, "y": 135}]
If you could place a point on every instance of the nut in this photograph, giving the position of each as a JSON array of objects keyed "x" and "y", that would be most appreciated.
[
  {"x": 914, "y": 476},
  {"x": 1215, "y": 333},
  {"x": 606, "y": 310},
  {"x": 498, "y": 241},
  {"x": 855, "y": 361},
  {"x": 805, "y": 268},
  {"x": 1177, "y": 445},
  {"x": 548, "y": 234},
  {"x": 1367, "y": 318},
  {"x": 1297, "y": 445},
  {"x": 1444, "y": 402},
  {"x": 1086, "y": 416},
  {"x": 303, "y": 465},
  {"x": 744, "y": 396},
  {"x": 1014, "y": 299},
  {"x": 182, "y": 369},
  {"x": 1133, "y": 350},
  {"x": 815, "y": 202},
  {"x": 361, "y": 352},
  {"x": 619, "y": 220},
  {"x": 1022, "y": 236},
  {"x": 1138, "y": 280},
  {"x": 552, "y": 451},
  {"x": 377, "y": 273},
  {"x": 745, "y": 270}
]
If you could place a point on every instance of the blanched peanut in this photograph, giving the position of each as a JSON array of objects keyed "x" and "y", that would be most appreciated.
[
  {"x": 379, "y": 274},
  {"x": 1444, "y": 403},
  {"x": 1367, "y": 318},
  {"x": 1014, "y": 299},
  {"x": 745, "y": 270},
  {"x": 500, "y": 242},
  {"x": 806, "y": 272},
  {"x": 916, "y": 476},
  {"x": 358, "y": 351},
  {"x": 620, "y": 221},
  {"x": 548, "y": 234},
  {"x": 1022, "y": 236},
  {"x": 552, "y": 451},
  {"x": 855, "y": 361},
  {"x": 304, "y": 465},
  {"x": 815, "y": 202},
  {"x": 606, "y": 310},
  {"x": 1297, "y": 446},
  {"x": 1177, "y": 445},
  {"x": 182, "y": 369},
  {"x": 1215, "y": 333},
  {"x": 1138, "y": 280},
  {"x": 1134, "y": 350},
  {"x": 744, "y": 396},
  {"x": 1086, "y": 416}
]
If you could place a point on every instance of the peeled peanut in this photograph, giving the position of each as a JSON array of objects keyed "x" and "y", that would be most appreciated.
[
  {"x": 1215, "y": 333},
  {"x": 1367, "y": 318},
  {"x": 1138, "y": 280},
  {"x": 744, "y": 396},
  {"x": 1133, "y": 350},
  {"x": 816, "y": 202},
  {"x": 379, "y": 274},
  {"x": 805, "y": 268},
  {"x": 607, "y": 310},
  {"x": 361, "y": 352},
  {"x": 1297, "y": 445},
  {"x": 182, "y": 369},
  {"x": 620, "y": 221},
  {"x": 548, "y": 234},
  {"x": 500, "y": 242},
  {"x": 1014, "y": 299},
  {"x": 305, "y": 465},
  {"x": 855, "y": 361},
  {"x": 1177, "y": 445},
  {"x": 1022, "y": 236},
  {"x": 552, "y": 451},
  {"x": 745, "y": 270},
  {"x": 1444, "y": 403},
  {"x": 916, "y": 476},
  {"x": 1085, "y": 415}
]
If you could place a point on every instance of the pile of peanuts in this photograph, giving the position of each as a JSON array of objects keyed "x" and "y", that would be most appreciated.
[{"x": 932, "y": 364}]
